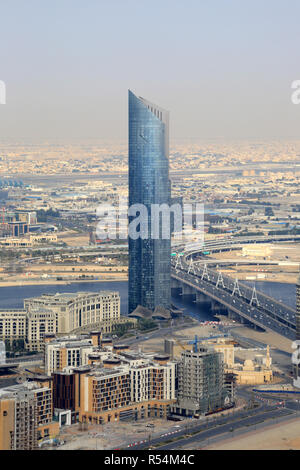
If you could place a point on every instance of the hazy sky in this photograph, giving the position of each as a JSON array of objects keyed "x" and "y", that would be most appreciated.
[{"x": 223, "y": 68}]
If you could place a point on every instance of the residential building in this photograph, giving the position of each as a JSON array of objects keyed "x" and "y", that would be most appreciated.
[
  {"x": 117, "y": 384},
  {"x": 71, "y": 351},
  {"x": 26, "y": 412},
  {"x": 200, "y": 382}
]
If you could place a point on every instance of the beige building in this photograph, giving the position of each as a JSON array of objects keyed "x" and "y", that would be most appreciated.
[
  {"x": 61, "y": 314},
  {"x": 81, "y": 309},
  {"x": 28, "y": 327},
  {"x": 253, "y": 370},
  {"x": 226, "y": 348},
  {"x": 26, "y": 416},
  {"x": 27, "y": 242},
  {"x": 13, "y": 325},
  {"x": 118, "y": 383},
  {"x": 40, "y": 321}
]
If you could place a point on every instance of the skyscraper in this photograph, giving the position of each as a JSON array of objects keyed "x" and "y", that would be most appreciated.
[{"x": 149, "y": 258}]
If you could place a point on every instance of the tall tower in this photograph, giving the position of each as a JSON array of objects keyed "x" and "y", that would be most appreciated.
[{"x": 149, "y": 258}]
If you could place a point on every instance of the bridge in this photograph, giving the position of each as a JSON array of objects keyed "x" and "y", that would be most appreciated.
[{"x": 242, "y": 303}]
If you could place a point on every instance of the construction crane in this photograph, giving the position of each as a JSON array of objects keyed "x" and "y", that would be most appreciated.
[
  {"x": 195, "y": 343},
  {"x": 180, "y": 344}
]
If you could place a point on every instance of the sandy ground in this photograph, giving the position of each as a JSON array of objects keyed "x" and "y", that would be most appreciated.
[
  {"x": 276, "y": 437},
  {"x": 47, "y": 273},
  {"x": 21, "y": 281},
  {"x": 182, "y": 335},
  {"x": 114, "y": 435},
  {"x": 73, "y": 238},
  {"x": 118, "y": 434},
  {"x": 273, "y": 339},
  {"x": 287, "y": 253}
]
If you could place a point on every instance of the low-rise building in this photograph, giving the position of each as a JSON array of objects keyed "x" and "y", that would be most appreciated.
[
  {"x": 116, "y": 384},
  {"x": 61, "y": 314},
  {"x": 80, "y": 309},
  {"x": 13, "y": 325}
]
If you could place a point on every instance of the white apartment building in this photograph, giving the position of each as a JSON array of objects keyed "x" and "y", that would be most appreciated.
[
  {"x": 71, "y": 351},
  {"x": 153, "y": 381}
]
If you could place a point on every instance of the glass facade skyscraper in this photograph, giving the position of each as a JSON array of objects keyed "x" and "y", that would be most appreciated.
[{"x": 149, "y": 258}]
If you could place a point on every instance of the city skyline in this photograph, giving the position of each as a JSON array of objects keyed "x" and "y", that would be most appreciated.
[{"x": 149, "y": 267}]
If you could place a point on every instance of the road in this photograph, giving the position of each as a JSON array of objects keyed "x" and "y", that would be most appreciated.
[
  {"x": 282, "y": 322},
  {"x": 197, "y": 432}
]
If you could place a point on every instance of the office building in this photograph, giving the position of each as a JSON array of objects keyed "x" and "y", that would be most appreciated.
[
  {"x": 149, "y": 257},
  {"x": 13, "y": 325}
]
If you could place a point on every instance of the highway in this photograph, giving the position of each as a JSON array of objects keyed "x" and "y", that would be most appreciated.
[
  {"x": 232, "y": 429},
  {"x": 266, "y": 314},
  {"x": 201, "y": 430}
]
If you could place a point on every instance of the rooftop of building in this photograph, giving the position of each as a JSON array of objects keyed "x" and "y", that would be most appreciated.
[
  {"x": 101, "y": 372},
  {"x": 14, "y": 390},
  {"x": 68, "y": 296},
  {"x": 71, "y": 342}
]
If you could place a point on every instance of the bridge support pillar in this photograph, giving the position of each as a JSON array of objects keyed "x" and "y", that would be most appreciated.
[
  {"x": 188, "y": 293},
  {"x": 233, "y": 316},
  {"x": 175, "y": 284},
  {"x": 176, "y": 291},
  {"x": 216, "y": 307},
  {"x": 187, "y": 290},
  {"x": 201, "y": 298}
]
